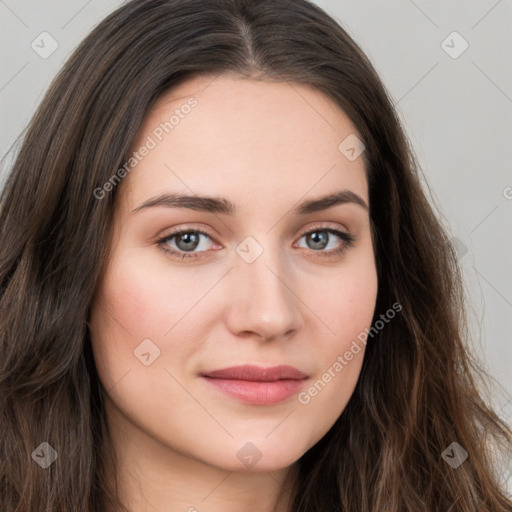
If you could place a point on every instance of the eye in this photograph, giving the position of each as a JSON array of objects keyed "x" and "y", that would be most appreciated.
[
  {"x": 319, "y": 237},
  {"x": 183, "y": 243},
  {"x": 187, "y": 240}
]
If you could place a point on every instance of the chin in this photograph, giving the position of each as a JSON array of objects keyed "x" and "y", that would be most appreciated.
[{"x": 257, "y": 456}]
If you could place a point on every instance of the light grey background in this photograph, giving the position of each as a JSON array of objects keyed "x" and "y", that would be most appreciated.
[{"x": 456, "y": 111}]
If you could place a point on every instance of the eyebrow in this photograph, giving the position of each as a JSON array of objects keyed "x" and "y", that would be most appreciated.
[{"x": 224, "y": 206}]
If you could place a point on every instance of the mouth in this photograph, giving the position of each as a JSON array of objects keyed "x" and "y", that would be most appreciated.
[{"x": 257, "y": 385}]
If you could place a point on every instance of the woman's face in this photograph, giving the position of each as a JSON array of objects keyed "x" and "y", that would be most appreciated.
[{"x": 254, "y": 289}]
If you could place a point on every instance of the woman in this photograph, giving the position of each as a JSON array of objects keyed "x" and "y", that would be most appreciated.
[{"x": 223, "y": 287}]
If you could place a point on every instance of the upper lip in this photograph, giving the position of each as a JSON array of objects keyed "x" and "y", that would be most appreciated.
[{"x": 257, "y": 373}]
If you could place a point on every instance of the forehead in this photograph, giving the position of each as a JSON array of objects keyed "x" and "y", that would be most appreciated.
[{"x": 236, "y": 137}]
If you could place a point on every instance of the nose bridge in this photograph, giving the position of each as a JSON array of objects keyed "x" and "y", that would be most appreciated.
[{"x": 263, "y": 300}]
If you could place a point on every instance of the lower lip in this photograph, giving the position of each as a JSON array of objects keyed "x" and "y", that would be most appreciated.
[{"x": 257, "y": 392}]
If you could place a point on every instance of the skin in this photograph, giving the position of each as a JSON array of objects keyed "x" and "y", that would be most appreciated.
[{"x": 265, "y": 147}]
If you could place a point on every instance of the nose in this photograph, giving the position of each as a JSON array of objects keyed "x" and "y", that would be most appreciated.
[{"x": 262, "y": 301}]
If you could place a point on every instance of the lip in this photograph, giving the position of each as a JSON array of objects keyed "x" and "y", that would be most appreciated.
[
  {"x": 257, "y": 373},
  {"x": 257, "y": 385}
]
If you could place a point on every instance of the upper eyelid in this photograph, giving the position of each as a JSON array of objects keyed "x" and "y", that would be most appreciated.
[{"x": 204, "y": 231}]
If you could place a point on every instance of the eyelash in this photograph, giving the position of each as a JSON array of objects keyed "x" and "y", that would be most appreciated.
[{"x": 347, "y": 237}]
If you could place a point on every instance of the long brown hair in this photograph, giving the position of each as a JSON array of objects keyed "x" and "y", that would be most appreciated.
[{"x": 419, "y": 389}]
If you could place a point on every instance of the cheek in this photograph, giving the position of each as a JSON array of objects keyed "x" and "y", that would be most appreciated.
[
  {"x": 138, "y": 302},
  {"x": 127, "y": 311},
  {"x": 346, "y": 305},
  {"x": 141, "y": 298}
]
